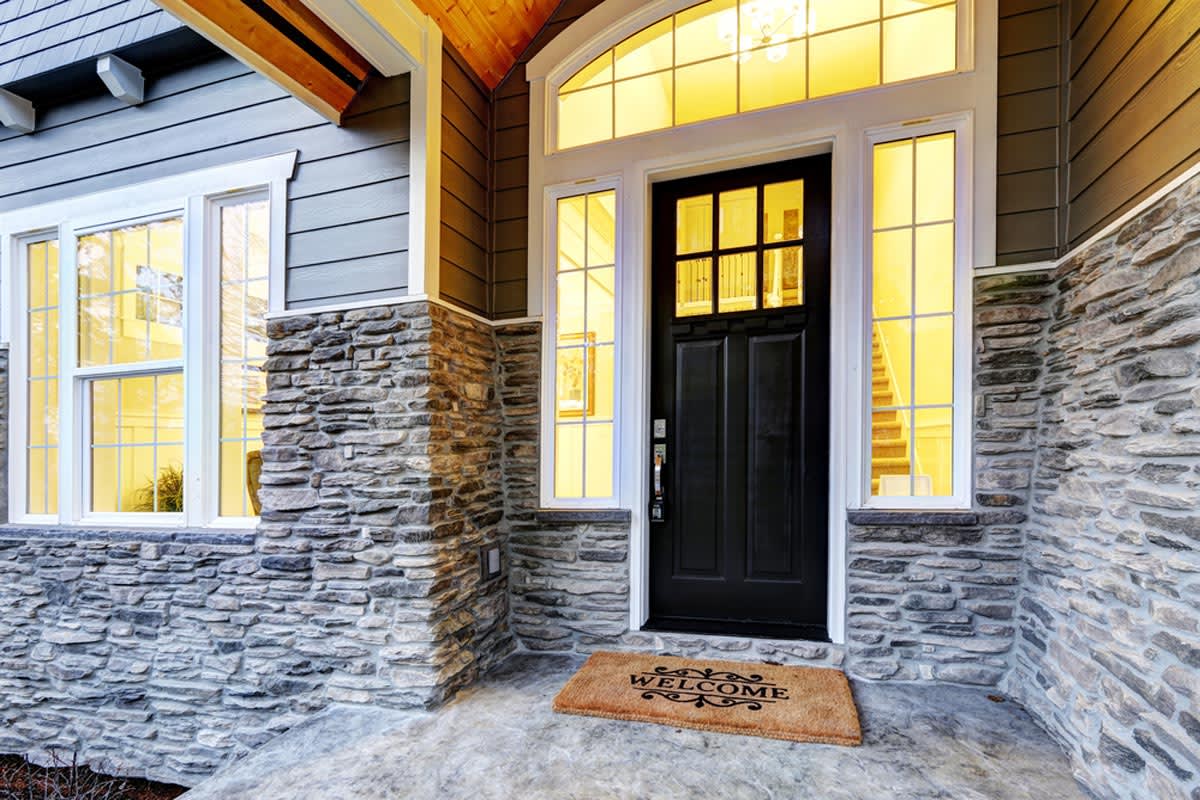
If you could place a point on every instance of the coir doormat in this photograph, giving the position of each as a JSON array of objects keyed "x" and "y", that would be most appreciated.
[{"x": 800, "y": 704}]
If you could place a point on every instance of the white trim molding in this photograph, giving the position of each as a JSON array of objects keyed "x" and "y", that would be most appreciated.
[
  {"x": 391, "y": 34},
  {"x": 836, "y": 125},
  {"x": 425, "y": 180}
]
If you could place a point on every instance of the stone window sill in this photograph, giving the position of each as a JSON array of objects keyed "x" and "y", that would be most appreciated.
[
  {"x": 80, "y": 533},
  {"x": 569, "y": 515},
  {"x": 866, "y": 517}
]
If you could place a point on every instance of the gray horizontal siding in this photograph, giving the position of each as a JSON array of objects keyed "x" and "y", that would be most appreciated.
[
  {"x": 348, "y": 204},
  {"x": 38, "y": 36},
  {"x": 465, "y": 181}
]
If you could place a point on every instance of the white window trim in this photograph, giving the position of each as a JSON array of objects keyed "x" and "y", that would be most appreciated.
[
  {"x": 964, "y": 180},
  {"x": 549, "y": 388},
  {"x": 836, "y": 124},
  {"x": 197, "y": 195}
]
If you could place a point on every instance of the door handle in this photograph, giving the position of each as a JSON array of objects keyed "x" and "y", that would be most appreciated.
[
  {"x": 658, "y": 505},
  {"x": 658, "y": 462}
]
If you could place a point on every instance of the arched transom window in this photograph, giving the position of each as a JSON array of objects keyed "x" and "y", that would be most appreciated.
[{"x": 726, "y": 57}]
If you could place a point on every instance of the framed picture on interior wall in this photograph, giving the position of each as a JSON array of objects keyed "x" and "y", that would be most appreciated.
[{"x": 577, "y": 374}]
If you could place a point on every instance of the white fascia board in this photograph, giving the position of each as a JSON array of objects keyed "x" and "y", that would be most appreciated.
[{"x": 391, "y": 34}]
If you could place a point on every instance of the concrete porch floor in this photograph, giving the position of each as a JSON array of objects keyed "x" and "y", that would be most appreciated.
[{"x": 501, "y": 740}]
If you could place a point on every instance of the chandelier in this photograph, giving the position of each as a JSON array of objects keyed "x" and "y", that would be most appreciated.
[{"x": 762, "y": 24}]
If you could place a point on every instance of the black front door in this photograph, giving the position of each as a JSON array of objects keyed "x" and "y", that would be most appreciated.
[{"x": 740, "y": 401}]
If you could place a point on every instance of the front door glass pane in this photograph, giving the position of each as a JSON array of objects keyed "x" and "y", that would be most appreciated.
[
  {"x": 738, "y": 282},
  {"x": 739, "y": 218}
]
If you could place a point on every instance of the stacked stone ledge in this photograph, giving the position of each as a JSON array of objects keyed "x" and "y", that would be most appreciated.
[
  {"x": 166, "y": 654},
  {"x": 1109, "y": 652}
]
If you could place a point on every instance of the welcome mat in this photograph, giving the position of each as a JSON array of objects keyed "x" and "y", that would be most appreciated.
[{"x": 800, "y": 704}]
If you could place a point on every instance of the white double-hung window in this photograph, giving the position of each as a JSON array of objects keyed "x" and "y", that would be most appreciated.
[{"x": 136, "y": 322}]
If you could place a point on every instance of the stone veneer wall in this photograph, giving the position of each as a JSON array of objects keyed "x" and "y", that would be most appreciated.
[
  {"x": 1109, "y": 652},
  {"x": 168, "y": 653}
]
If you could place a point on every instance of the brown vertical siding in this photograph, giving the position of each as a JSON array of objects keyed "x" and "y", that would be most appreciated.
[
  {"x": 1134, "y": 104},
  {"x": 466, "y": 142},
  {"x": 1029, "y": 120},
  {"x": 510, "y": 170}
]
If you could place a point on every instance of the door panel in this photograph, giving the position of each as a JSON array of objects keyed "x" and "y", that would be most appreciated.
[
  {"x": 739, "y": 372},
  {"x": 700, "y": 370}
]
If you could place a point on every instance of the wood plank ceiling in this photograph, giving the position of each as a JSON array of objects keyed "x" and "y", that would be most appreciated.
[{"x": 489, "y": 34}]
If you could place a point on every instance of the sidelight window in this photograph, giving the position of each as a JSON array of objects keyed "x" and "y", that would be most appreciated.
[
  {"x": 584, "y": 347},
  {"x": 726, "y": 57},
  {"x": 141, "y": 350},
  {"x": 914, "y": 394}
]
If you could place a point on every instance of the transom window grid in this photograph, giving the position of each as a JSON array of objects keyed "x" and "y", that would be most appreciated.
[
  {"x": 726, "y": 57},
  {"x": 713, "y": 280},
  {"x": 584, "y": 339},
  {"x": 913, "y": 325}
]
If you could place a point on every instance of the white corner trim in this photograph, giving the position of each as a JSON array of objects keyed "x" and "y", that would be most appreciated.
[
  {"x": 122, "y": 79},
  {"x": 425, "y": 181},
  {"x": 16, "y": 113},
  {"x": 388, "y": 33}
]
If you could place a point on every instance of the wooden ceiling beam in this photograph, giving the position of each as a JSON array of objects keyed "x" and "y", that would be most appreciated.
[{"x": 284, "y": 41}]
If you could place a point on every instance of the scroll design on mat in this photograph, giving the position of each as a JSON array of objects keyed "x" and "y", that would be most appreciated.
[{"x": 701, "y": 687}]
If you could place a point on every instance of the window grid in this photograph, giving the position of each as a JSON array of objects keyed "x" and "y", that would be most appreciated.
[
  {"x": 121, "y": 447},
  {"x": 740, "y": 54},
  {"x": 42, "y": 269},
  {"x": 909, "y": 410}
]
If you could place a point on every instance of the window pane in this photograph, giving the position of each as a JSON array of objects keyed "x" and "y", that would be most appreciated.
[
  {"x": 739, "y": 218},
  {"x": 571, "y": 321},
  {"x": 783, "y": 277},
  {"x": 783, "y": 212},
  {"x": 912, "y": 379},
  {"x": 891, "y": 473},
  {"x": 572, "y": 245},
  {"x": 935, "y": 361},
  {"x": 826, "y": 15},
  {"x": 774, "y": 76},
  {"x": 935, "y": 178},
  {"x": 137, "y": 444},
  {"x": 706, "y": 31},
  {"x": 844, "y": 61},
  {"x": 919, "y": 44},
  {"x": 602, "y": 380},
  {"x": 41, "y": 388},
  {"x": 693, "y": 287},
  {"x": 245, "y": 262},
  {"x": 693, "y": 224},
  {"x": 935, "y": 269},
  {"x": 892, "y": 350},
  {"x": 738, "y": 281},
  {"x": 705, "y": 91},
  {"x": 568, "y": 461},
  {"x": 649, "y": 50},
  {"x": 891, "y": 290},
  {"x": 599, "y": 471},
  {"x": 644, "y": 104},
  {"x": 131, "y": 294},
  {"x": 893, "y": 184},
  {"x": 602, "y": 229},
  {"x": 596, "y": 73},
  {"x": 585, "y": 117},
  {"x": 601, "y": 303},
  {"x": 934, "y": 452},
  {"x": 585, "y": 325}
]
